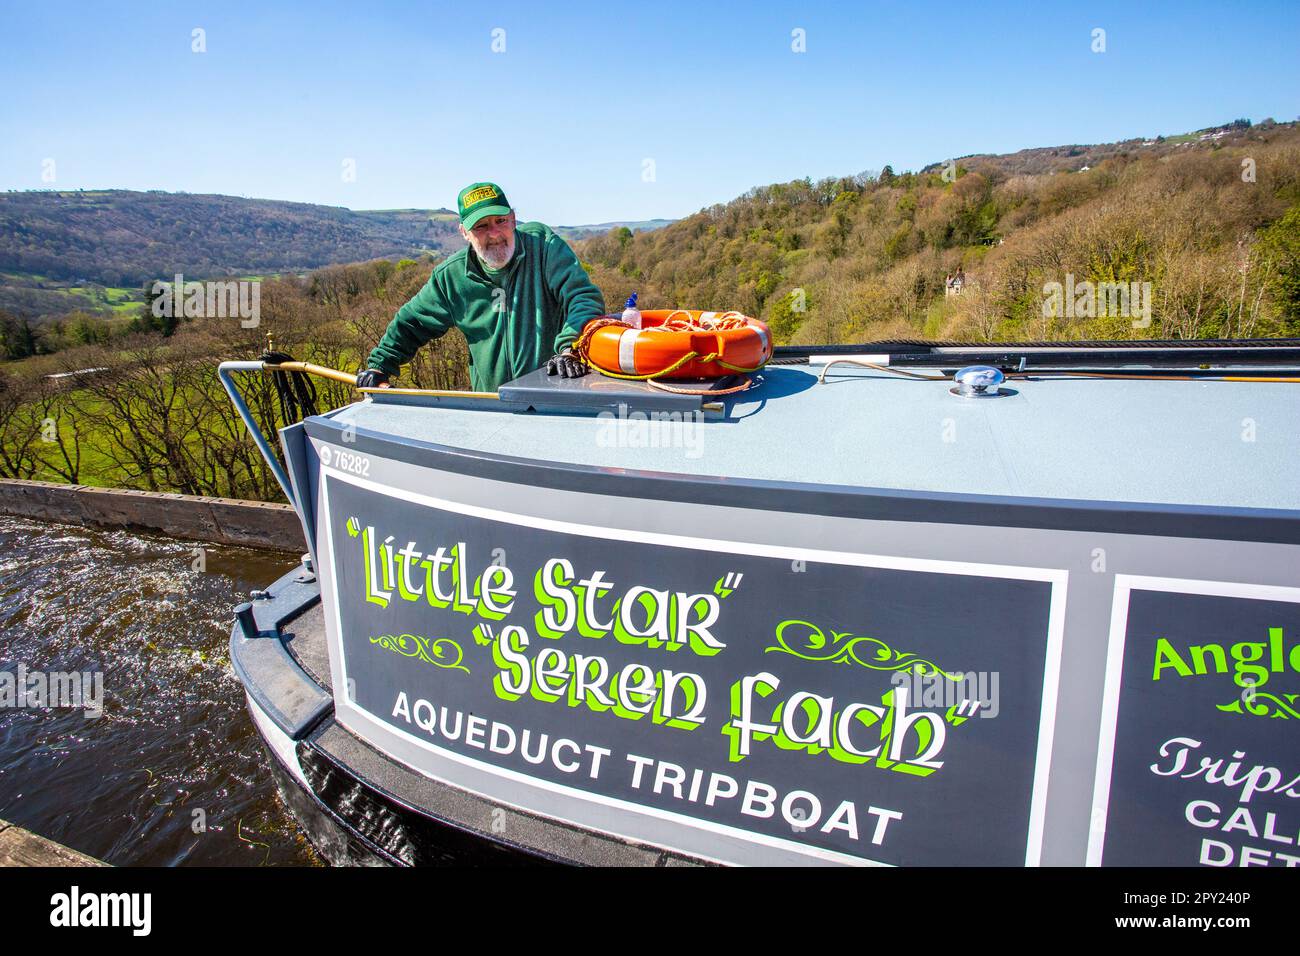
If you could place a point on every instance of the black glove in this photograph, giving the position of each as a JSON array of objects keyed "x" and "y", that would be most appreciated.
[
  {"x": 566, "y": 363},
  {"x": 371, "y": 378}
]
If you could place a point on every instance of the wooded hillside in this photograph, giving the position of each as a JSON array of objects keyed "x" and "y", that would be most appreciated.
[
  {"x": 1211, "y": 220},
  {"x": 122, "y": 238}
]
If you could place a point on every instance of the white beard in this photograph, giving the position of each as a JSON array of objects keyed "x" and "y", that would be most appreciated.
[{"x": 497, "y": 257}]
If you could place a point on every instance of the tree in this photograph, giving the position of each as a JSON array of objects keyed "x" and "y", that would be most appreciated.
[
  {"x": 160, "y": 319},
  {"x": 17, "y": 337},
  {"x": 1278, "y": 253},
  {"x": 20, "y": 431},
  {"x": 787, "y": 314}
]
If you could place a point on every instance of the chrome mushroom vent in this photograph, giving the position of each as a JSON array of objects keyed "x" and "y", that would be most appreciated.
[{"x": 978, "y": 381}]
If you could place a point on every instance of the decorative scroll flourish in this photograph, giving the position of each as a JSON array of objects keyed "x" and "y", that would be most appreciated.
[
  {"x": 806, "y": 640},
  {"x": 437, "y": 652},
  {"x": 1260, "y": 704}
]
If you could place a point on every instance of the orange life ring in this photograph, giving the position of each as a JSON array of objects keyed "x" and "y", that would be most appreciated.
[{"x": 677, "y": 343}]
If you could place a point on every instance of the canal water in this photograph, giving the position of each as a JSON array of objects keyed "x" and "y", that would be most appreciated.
[{"x": 172, "y": 772}]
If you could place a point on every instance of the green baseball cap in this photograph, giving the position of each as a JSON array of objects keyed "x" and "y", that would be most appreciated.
[{"x": 481, "y": 199}]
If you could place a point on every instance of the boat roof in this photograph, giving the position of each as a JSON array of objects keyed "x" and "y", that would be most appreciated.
[{"x": 1201, "y": 442}]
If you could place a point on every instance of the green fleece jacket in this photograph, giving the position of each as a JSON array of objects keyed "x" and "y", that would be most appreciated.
[{"x": 514, "y": 320}]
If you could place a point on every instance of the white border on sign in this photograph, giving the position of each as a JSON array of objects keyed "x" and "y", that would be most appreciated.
[
  {"x": 1125, "y": 585},
  {"x": 1058, "y": 578}
]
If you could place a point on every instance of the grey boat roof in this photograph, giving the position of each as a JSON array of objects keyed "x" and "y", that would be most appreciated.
[{"x": 1211, "y": 443}]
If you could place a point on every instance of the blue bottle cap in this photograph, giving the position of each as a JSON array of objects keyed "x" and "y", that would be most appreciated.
[{"x": 631, "y": 302}]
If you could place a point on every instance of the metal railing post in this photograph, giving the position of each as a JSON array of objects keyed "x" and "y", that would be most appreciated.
[{"x": 223, "y": 372}]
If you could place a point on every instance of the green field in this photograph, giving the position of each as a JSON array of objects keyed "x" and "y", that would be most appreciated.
[
  {"x": 119, "y": 300},
  {"x": 97, "y": 468},
  {"x": 86, "y": 298}
]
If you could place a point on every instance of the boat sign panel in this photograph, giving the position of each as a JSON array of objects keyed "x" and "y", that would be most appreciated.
[
  {"x": 847, "y": 707},
  {"x": 1198, "y": 762}
]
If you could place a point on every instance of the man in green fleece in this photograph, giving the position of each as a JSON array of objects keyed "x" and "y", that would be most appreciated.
[{"x": 517, "y": 293}]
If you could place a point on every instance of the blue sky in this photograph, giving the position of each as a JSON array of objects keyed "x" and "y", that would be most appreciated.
[{"x": 585, "y": 93}]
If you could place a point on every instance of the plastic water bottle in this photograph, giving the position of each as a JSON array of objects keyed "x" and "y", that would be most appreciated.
[{"x": 631, "y": 315}]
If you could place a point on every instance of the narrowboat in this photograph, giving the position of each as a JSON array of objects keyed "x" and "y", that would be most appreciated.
[{"x": 895, "y": 604}]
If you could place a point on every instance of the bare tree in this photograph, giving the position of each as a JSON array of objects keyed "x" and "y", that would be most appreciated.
[
  {"x": 20, "y": 431},
  {"x": 61, "y": 431}
]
